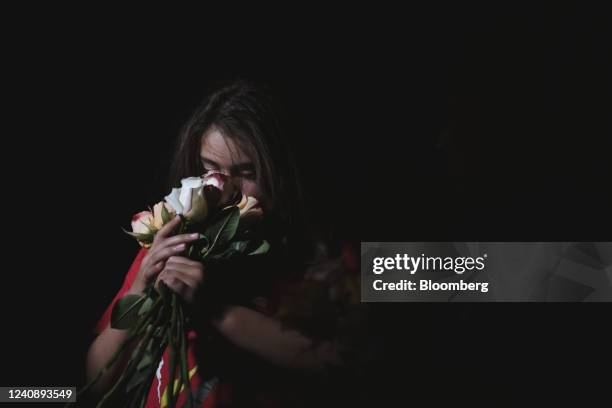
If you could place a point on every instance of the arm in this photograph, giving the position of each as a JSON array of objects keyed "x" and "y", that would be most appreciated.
[
  {"x": 100, "y": 351},
  {"x": 247, "y": 329},
  {"x": 265, "y": 337},
  {"x": 110, "y": 340}
]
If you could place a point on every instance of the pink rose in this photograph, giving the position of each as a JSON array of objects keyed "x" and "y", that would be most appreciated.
[
  {"x": 143, "y": 229},
  {"x": 219, "y": 189},
  {"x": 142, "y": 223}
]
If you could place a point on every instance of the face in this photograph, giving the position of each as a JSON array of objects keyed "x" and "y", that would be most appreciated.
[{"x": 221, "y": 153}]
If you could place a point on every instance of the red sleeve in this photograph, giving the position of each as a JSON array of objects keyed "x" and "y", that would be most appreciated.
[{"x": 127, "y": 283}]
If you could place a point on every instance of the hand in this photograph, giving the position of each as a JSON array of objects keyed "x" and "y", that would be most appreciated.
[
  {"x": 164, "y": 246},
  {"x": 183, "y": 276}
]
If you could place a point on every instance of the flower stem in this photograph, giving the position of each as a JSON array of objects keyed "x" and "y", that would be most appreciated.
[
  {"x": 173, "y": 353},
  {"x": 135, "y": 332},
  {"x": 136, "y": 356},
  {"x": 143, "y": 394},
  {"x": 184, "y": 361}
]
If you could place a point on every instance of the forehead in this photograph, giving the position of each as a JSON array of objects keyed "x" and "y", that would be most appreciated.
[{"x": 223, "y": 150}]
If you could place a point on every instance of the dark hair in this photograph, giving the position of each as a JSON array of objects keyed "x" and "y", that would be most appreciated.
[{"x": 246, "y": 112}]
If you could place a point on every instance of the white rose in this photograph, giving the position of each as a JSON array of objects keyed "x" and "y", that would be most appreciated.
[
  {"x": 180, "y": 198},
  {"x": 189, "y": 200}
]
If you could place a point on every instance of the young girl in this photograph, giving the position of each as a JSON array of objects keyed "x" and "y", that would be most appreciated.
[{"x": 249, "y": 341}]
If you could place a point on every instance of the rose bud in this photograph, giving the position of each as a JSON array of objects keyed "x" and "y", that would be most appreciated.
[
  {"x": 220, "y": 190},
  {"x": 142, "y": 222},
  {"x": 143, "y": 229},
  {"x": 250, "y": 212},
  {"x": 249, "y": 204},
  {"x": 162, "y": 214}
]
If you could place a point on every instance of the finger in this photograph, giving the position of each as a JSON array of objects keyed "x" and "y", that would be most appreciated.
[
  {"x": 153, "y": 271},
  {"x": 177, "y": 259},
  {"x": 176, "y": 284},
  {"x": 160, "y": 278},
  {"x": 167, "y": 229},
  {"x": 162, "y": 255},
  {"x": 177, "y": 239},
  {"x": 190, "y": 276},
  {"x": 195, "y": 273}
]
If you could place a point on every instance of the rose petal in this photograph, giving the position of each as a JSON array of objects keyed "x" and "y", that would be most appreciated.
[
  {"x": 185, "y": 199},
  {"x": 215, "y": 178},
  {"x": 251, "y": 202},
  {"x": 198, "y": 207},
  {"x": 185, "y": 194},
  {"x": 173, "y": 200},
  {"x": 158, "y": 219},
  {"x": 220, "y": 190},
  {"x": 191, "y": 182},
  {"x": 142, "y": 222},
  {"x": 243, "y": 202}
]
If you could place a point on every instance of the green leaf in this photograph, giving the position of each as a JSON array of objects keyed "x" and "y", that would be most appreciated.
[
  {"x": 235, "y": 248},
  {"x": 223, "y": 229},
  {"x": 239, "y": 246},
  {"x": 146, "y": 306},
  {"x": 159, "y": 332},
  {"x": 138, "y": 377},
  {"x": 145, "y": 362},
  {"x": 125, "y": 311},
  {"x": 146, "y": 238},
  {"x": 262, "y": 249},
  {"x": 151, "y": 228},
  {"x": 199, "y": 207},
  {"x": 165, "y": 215}
]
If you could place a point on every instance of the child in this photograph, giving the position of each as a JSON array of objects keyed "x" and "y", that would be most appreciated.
[{"x": 240, "y": 351}]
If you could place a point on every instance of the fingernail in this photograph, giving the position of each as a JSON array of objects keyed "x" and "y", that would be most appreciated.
[
  {"x": 194, "y": 236},
  {"x": 180, "y": 247}
]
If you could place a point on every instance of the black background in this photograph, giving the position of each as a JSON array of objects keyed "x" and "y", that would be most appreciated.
[{"x": 443, "y": 123}]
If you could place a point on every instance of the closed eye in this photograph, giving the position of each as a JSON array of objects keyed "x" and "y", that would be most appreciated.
[
  {"x": 246, "y": 170},
  {"x": 208, "y": 165}
]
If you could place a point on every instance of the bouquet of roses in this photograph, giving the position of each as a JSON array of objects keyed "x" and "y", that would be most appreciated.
[{"x": 214, "y": 207}]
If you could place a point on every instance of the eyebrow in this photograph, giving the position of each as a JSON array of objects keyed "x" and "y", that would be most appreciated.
[{"x": 238, "y": 166}]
